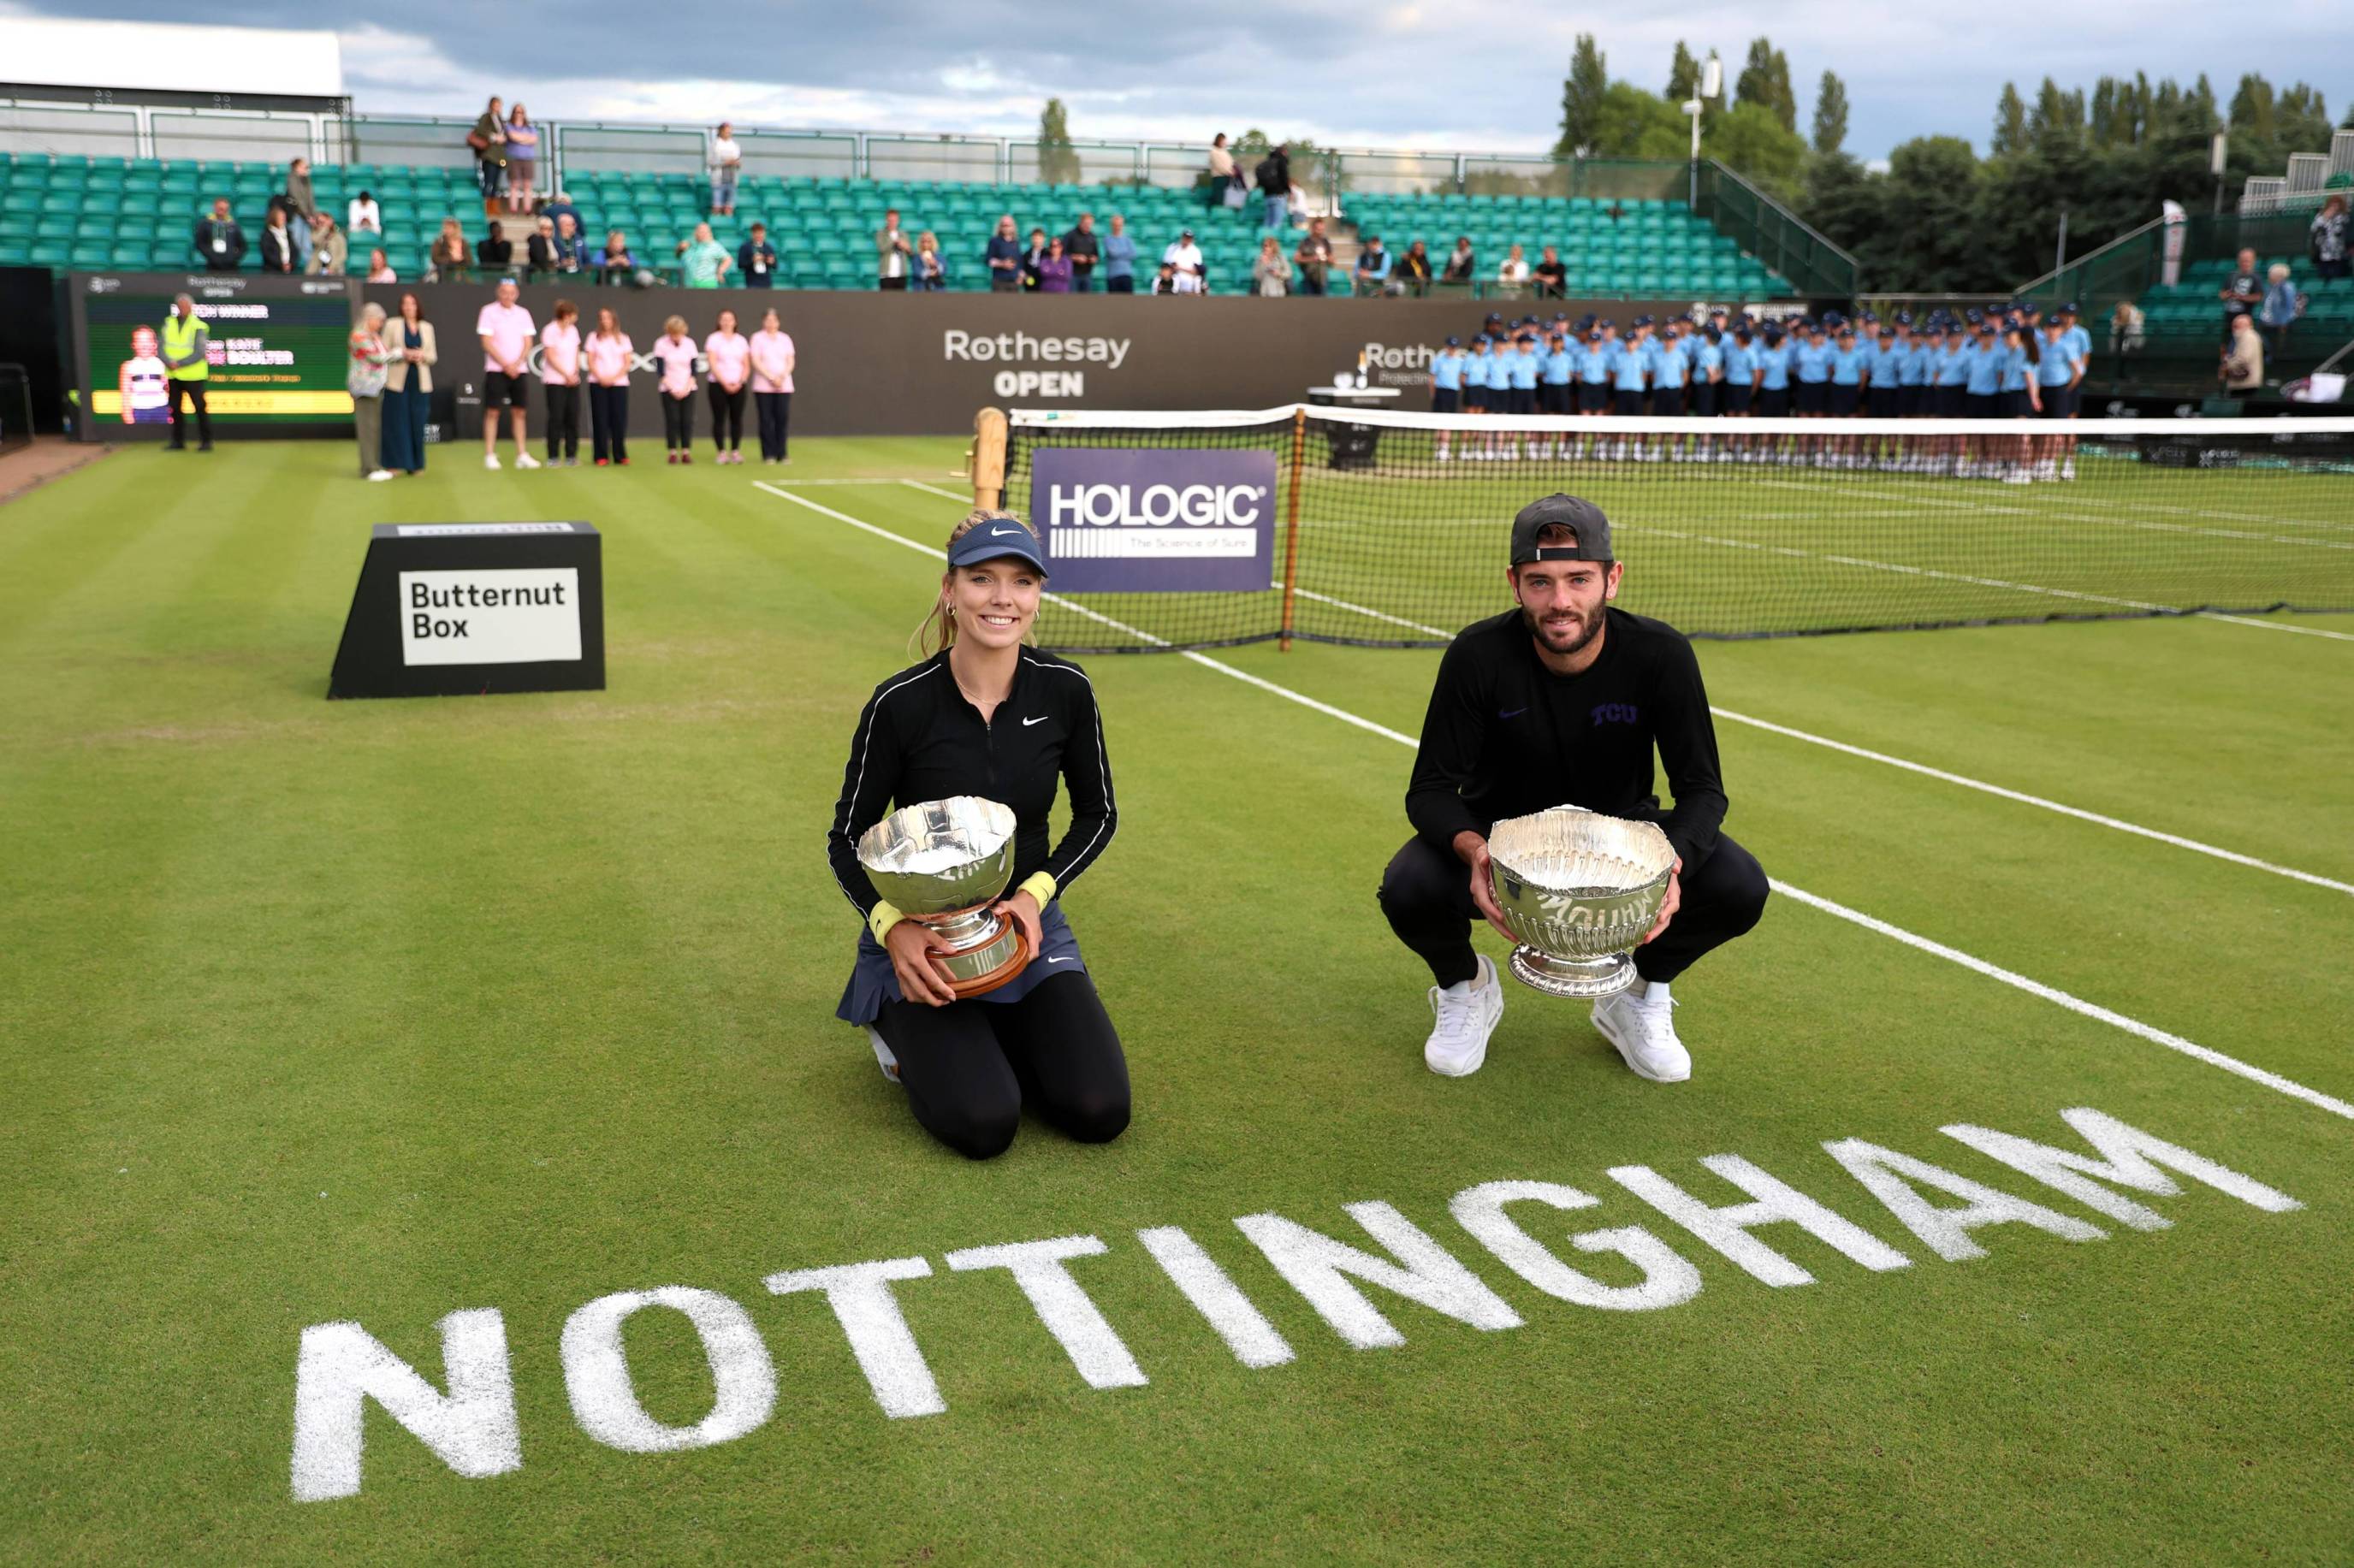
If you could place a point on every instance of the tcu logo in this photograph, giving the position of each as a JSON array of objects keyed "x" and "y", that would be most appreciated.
[{"x": 1616, "y": 713}]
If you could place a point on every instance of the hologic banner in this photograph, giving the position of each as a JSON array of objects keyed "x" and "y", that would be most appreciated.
[{"x": 1156, "y": 522}]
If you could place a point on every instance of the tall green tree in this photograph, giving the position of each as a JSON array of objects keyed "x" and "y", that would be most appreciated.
[
  {"x": 1581, "y": 98},
  {"x": 1751, "y": 140},
  {"x": 1632, "y": 124},
  {"x": 1830, "y": 115},
  {"x": 2010, "y": 123},
  {"x": 1058, "y": 161},
  {"x": 2251, "y": 107},
  {"x": 1765, "y": 80}
]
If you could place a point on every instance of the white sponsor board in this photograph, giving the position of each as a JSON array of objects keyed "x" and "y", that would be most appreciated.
[{"x": 512, "y": 616}]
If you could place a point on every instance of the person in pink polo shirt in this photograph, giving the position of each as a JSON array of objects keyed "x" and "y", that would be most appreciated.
[
  {"x": 559, "y": 372},
  {"x": 730, "y": 358},
  {"x": 772, "y": 386},
  {"x": 674, "y": 353},
  {"x": 505, "y": 328},
  {"x": 609, "y": 354}
]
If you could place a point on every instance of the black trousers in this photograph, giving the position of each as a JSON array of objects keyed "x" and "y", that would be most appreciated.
[
  {"x": 678, "y": 421},
  {"x": 726, "y": 417},
  {"x": 970, "y": 1066},
  {"x": 563, "y": 422},
  {"x": 775, "y": 411},
  {"x": 609, "y": 422},
  {"x": 194, "y": 392},
  {"x": 1427, "y": 894}
]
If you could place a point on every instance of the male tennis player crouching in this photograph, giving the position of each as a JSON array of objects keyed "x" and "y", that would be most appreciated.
[{"x": 1560, "y": 702}]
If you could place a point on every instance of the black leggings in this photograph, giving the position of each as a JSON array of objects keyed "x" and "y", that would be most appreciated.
[
  {"x": 1427, "y": 894},
  {"x": 726, "y": 417},
  {"x": 678, "y": 421},
  {"x": 775, "y": 411},
  {"x": 969, "y": 1067},
  {"x": 563, "y": 422},
  {"x": 609, "y": 422}
]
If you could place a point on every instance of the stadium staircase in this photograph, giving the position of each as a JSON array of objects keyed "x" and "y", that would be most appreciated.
[{"x": 100, "y": 214}]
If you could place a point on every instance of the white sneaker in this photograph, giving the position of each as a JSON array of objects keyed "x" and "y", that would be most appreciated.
[
  {"x": 1645, "y": 1035},
  {"x": 524, "y": 459},
  {"x": 490, "y": 459},
  {"x": 1468, "y": 1013},
  {"x": 883, "y": 1055},
  {"x": 380, "y": 474}
]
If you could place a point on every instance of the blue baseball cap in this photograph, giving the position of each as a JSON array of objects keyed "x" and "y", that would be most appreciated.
[
  {"x": 1454, "y": 343},
  {"x": 999, "y": 534},
  {"x": 2069, "y": 309},
  {"x": 1594, "y": 334}
]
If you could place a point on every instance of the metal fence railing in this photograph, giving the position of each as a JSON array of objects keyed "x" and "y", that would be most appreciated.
[{"x": 1773, "y": 234}]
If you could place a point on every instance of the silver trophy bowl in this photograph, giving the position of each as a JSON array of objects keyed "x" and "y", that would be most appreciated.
[
  {"x": 1579, "y": 890},
  {"x": 944, "y": 863}
]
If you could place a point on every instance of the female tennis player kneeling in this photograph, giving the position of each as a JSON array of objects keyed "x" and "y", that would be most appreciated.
[{"x": 985, "y": 715}]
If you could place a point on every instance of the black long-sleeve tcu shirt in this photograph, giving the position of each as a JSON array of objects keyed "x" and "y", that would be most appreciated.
[
  {"x": 918, "y": 740},
  {"x": 1506, "y": 737}
]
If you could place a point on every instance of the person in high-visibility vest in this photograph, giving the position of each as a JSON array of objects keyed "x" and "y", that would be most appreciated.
[{"x": 185, "y": 344}]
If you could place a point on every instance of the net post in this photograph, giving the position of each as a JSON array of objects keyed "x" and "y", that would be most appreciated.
[
  {"x": 984, "y": 461},
  {"x": 1291, "y": 525}
]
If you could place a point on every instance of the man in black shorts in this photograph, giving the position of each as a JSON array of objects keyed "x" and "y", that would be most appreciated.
[
  {"x": 506, "y": 330},
  {"x": 1562, "y": 700}
]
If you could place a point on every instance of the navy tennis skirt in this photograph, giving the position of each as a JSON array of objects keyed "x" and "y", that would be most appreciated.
[{"x": 873, "y": 981}]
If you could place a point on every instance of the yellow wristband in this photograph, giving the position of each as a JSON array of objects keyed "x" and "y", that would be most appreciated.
[
  {"x": 882, "y": 917},
  {"x": 1040, "y": 886}
]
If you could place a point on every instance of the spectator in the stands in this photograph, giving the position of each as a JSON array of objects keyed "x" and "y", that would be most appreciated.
[
  {"x": 1120, "y": 259},
  {"x": 571, "y": 245},
  {"x": 1223, "y": 176},
  {"x": 2241, "y": 293},
  {"x": 452, "y": 262},
  {"x": 1003, "y": 258},
  {"x": 930, "y": 273},
  {"x": 756, "y": 259},
  {"x": 1274, "y": 177},
  {"x": 2328, "y": 238},
  {"x": 539, "y": 250},
  {"x": 1514, "y": 272},
  {"x": 707, "y": 261},
  {"x": 615, "y": 264},
  {"x": 2243, "y": 357},
  {"x": 1551, "y": 277},
  {"x": 496, "y": 252},
  {"x": 1081, "y": 245},
  {"x": 559, "y": 207},
  {"x": 2125, "y": 324},
  {"x": 522, "y": 158},
  {"x": 362, "y": 215},
  {"x": 380, "y": 269},
  {"x": 892, "y": 248},
  {"x": 1270, "y": 270},
  {"x": 329, "y": 252},
  {"x": 219, "y": 242},
  {"x": 1165, "y": 280},
  {"x": 1314, "y": 255},
  {"x": 1460, "y": 262},
  {"x": 301, "y": 206},
  {"x": 1412, "y": 274},
  {"x": 1372, "y": 271},
  {"x": 488, "y": 140},
  {"x": 277, "y": 241},
  {"x": 1184, "y": 260},
  {"x": 2284, "y": 302},
  {"x": 726, "y": 163},
  {"x": 1055, "y": 270},
  {"x": 1032, "y": 254}
]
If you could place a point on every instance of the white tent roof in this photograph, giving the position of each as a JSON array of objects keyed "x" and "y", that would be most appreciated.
[{"x": 156, "y": 57}]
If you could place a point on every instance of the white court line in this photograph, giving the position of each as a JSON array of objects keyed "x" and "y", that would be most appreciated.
[
  {"x": 888, "y": 479},
  {"x": 936, "y": 490},
  {"x": 2040, "y": 514},
  {"x": 2052, "y": 994},
  {"x": 2066, "y": 810}
]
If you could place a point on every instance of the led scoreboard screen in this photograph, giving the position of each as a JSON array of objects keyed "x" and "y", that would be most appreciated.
[{"x": 277, "y": 352}]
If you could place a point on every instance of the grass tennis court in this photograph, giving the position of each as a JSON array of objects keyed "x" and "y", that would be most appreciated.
[{"x": 380, "y": 1011}]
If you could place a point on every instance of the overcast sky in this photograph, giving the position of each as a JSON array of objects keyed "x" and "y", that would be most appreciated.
[{"x": 1453, "y": 74}]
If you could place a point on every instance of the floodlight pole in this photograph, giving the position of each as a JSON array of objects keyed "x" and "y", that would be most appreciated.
[{"x": 1710, "y": 85}]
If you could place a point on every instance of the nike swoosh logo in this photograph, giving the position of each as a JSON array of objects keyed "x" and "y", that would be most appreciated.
[
  {"x": 1514, "y": 714},
  {"x": 1062, "y": 961},
  {"x": 1001, "y": 533},
  {"x": 1040, "y": 719}
]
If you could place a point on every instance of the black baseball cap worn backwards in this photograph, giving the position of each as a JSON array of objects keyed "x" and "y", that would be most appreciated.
[
  {"x": 1589, "y": 531},
  {"x": 995, "y": 538}
]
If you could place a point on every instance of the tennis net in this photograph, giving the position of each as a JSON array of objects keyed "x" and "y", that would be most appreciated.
[{"x": 1381, "y": 529}]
